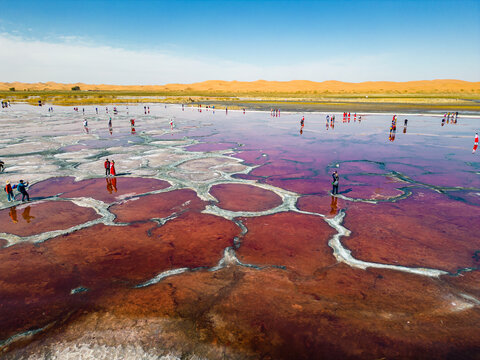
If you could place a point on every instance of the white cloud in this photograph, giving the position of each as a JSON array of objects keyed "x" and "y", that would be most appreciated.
[{"x": 73, "y": 60}]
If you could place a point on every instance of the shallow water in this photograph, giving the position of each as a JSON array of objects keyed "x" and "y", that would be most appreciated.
[{"x": 219, "y": 236}]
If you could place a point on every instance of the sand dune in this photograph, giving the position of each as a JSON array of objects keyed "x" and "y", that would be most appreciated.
[{"x": 302, "y": 86}]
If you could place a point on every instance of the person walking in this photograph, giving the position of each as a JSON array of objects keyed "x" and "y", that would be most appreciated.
[
  {"x": 22, "y": 188},
  {"x": 112, "y": 168},
  {"x": 107, "y": 167},
  {"x": 8, "y": 189},
  {"x": 336, "y": 178}
]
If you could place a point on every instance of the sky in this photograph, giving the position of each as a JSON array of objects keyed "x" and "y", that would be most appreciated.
[{"x": 158, "y": 42}]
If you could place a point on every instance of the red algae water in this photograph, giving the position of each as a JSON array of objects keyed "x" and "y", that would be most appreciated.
[{"x": 219, "y": 237}]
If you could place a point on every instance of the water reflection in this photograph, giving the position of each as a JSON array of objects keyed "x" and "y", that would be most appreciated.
[
  {"x": 333, "y": 205},
  {"x": 25, "y": 214},
  {"x": 111, "y": 185}
]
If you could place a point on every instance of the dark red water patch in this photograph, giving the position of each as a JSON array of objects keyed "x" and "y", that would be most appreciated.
[
  {"x": 283, "y": 168},
  {"x": 252, "y": 157},
  {"x": 112, "y": 189},
  {"x": 318, "y": 185},
  {"x": 100, "y": 258},
  {"x": 157, "y": 206},
  {"x": 341, "y": 313},
  {"x": 326, "y": 205},
  {"x": 294, "y": 240},
  {"x": 371, "y": 187},
  {"x": 425, "y": 230},
  {"x": 450, "y": 179},
  {"x": 37, "y": 217},
  {"x": 206, "y": 147},
  {"x": 354, "y": 167},
  {"x": 239, "y": 197},
  {"x": 52, "y": 186}
]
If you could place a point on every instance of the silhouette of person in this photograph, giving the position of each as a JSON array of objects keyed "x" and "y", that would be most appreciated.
[{"x": 26, "y": 214}]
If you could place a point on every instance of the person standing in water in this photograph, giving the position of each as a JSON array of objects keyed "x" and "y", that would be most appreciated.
[{"x": 336, "y": 178}]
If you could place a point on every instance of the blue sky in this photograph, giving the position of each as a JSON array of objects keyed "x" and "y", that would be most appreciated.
[{"x": 151, "y": 42}]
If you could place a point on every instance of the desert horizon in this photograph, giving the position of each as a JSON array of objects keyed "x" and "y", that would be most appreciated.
[{"x": 292, "y": 86}]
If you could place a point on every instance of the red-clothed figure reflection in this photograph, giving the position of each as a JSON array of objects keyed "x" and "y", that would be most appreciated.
[
  {"x": 133, "y": 131},
  {"x": 13, "y": 214},
  {"x": 111, "y": 185},
  {"x": 114, "y": 184}
]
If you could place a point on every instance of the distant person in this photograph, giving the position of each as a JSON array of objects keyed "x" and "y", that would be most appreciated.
[
  {"x": 110, "y": 122},
  {"x": 96, "y": 110},
  {"x": 475, "y": 144},
  {"x": 335, "y": 181},
  {"x": 112, "y": 169},
  {"x": 85, "y": 123},
  {"x": 8, "y": 189},
  {"x": 302, "y": 121},
  {"x": 22, "y": 188},
  {"x": 107, "y": 167},
  {"x": 2, "y": 166}
]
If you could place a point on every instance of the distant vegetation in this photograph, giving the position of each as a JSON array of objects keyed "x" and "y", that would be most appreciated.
[
  {"x": 76, "y": 88},
  {"x": 12, "y": 89}
]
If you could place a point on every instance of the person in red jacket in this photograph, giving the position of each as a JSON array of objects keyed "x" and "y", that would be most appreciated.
[
  {"x": 107, "y": 167},
  {"x": 9, "y": 191}
]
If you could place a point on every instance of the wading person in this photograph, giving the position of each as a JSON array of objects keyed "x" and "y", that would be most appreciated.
[
  {"x": 22, "y": 188},
  {"x": 336, "y": 178},
  {"x": 107, "y": 167}
]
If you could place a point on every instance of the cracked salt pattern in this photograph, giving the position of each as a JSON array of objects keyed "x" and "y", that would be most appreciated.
[{"x": 37, "y": 153}]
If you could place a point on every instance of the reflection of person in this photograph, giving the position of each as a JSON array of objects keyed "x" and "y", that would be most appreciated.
[
  {"x": 8, "y": 189},
  {"x": 13, "y": 214},
  {"x": 109, "y": 185},
  {"x": 22, "y": 188},
  {"x": 26, "y": 214},
  {"x": 107, "y": 167},
  {"x": 114, "y": 184},
  {"x": 336, "y": 178},
  {"x": 112, "y": 168},
  {"x": 333, "y": 210}
]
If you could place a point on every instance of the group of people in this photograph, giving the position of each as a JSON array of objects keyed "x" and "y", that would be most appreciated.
[
  {"x": 21, "y": 188},
  {"x": 110, "y": 168},
  {"x": 347, "y": 116},
  {"x": 273, "y": 112},
  {"x": 5, "y": 104},
  {"x": 450, "y": 118}
]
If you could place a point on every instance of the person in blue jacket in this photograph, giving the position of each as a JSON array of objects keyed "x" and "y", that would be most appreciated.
[{"x": 22, "y": 188}]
